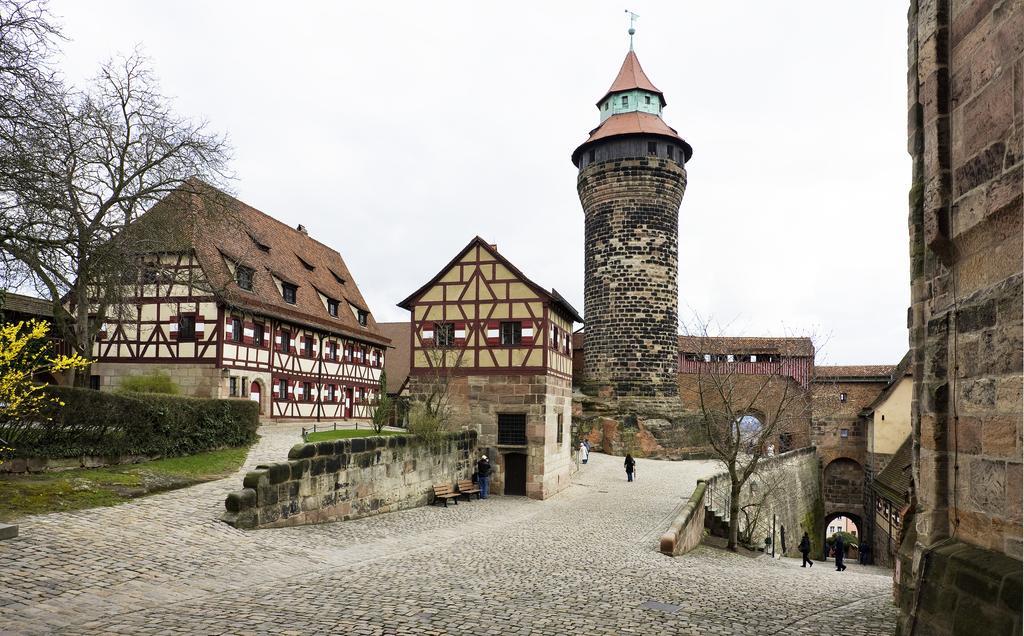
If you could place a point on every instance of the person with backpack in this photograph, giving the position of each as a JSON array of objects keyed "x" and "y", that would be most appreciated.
[
  {"x": 805, "y": 549},
  {"x": 483, "y": 476}
]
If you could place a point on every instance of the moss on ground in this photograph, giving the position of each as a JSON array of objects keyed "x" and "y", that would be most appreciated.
[{"x": 22, "y": 495}]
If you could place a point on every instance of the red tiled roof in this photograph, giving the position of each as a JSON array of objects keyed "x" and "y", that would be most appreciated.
[
  {"x": 219, "y": 227},
  {"x": 27, "y": 305},
  {"x": 881, "y": 371},
  {"x": 398, "y": 360},
  {"x": 632, "y": 76},
  {"x": 802, "y": 347}
]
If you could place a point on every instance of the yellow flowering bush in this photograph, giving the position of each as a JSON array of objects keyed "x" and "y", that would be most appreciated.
[{"x": 25, "y": 352}]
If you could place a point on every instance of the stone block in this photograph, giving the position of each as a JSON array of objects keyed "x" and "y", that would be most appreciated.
[
  {"x": 8, "y": 531},
  {"x": 279, "y": 473},
  {"x": 358, "y": 444},
  {"x": 302, "y": 451},
  {"x": 299, "y": 468},
  {"x": 1000, "y": 435},
  {"x": 325, "y": 448},
  {"x": 240, "y": 500},
  {"x": 317, "y": 465},
  {"x": 255, "y": 479},
  {"x": 986, "y": 485}
]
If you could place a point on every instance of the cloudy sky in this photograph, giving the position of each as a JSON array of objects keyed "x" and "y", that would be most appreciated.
[{"x": 396, "y": 131}]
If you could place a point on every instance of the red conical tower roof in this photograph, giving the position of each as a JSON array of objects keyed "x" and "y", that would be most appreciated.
[{"x": 632, "y": 76}]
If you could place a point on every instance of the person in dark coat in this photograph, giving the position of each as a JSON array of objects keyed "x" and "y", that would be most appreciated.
[
  {"x": 630, "y": 467},
  {"x": 805, "y": 549},
  {"x": 483, "y": 476},
  {"x": 840, "y": 549}
]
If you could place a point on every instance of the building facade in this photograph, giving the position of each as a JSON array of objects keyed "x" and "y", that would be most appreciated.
[
  {"x": 966, "y": 138},
  {"x": 632, "y": 176},
  {"x": 234, "y": 304},
  {"x": 501, "y": 347}
]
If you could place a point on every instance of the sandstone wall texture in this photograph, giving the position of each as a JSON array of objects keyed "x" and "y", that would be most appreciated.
[
  {"x": 545, "y": 400},
  {"x": 631, "y": 288},
  {"x": 194, "y": 379},
  {"x": 966, "y": 137},
  {"x": 786, "y": 488},
  {"x": 348, "y": 479}
]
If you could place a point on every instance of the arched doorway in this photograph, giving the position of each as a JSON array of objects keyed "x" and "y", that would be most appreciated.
[
  {"x": 255, "y": 392},
  {"x": 832, "y": 524}
]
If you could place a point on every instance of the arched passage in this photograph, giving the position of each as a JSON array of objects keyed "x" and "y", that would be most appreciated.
[
  {"x": 856, "y": 519},
  {"x": 843, "y": 486}
]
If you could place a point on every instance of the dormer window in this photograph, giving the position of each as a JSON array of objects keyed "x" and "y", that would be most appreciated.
[
  {"x": 341, "y": 281},
  {"x": 289, "y": 292},
  {"x": 363, "y": 317},
  {"x": 625, "y": 100},
  {"x": 243, "y": 276},
  {"x": 332, "y": 307},
  {"x": 305, "y": 263},
  {"x": 647, "y": 99}
]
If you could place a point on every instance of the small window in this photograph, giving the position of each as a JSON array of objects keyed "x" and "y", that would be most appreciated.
[
  {"x": 94, "y": 382},
  {"x": 258, "y": 331},
  {"x": 186, "y": 327},
  {"x": 243, "y": 276},
  {"x": 511, "y": 334},
  {"x": 286, "y": 341},
  {"x": 305, "y": 263},
  {"x": 233, "y": 387},
  {"x": 334, "y": 350},
  {"x": 236, "y": 329},
  {"x": 330, "y": 392},
  {"x": 289, "y": 292},
  {"x": 652, "y": 148},
  {"x": 647, "y": 99},
  {"x": 625, "y": 100},
  {"x": 607, "y": 103},
  {"x": 308, "y": 346},
  {"x": 842, "y": 397},
  {"x": 671, "y": 152},
  {"x": 341, "y": 281},
  {"x": 591, "y": 156},
  {"x": 444, "y": 334},
  {"x": 282, "y": 389},
  {"x": 844, "y": 433},
  {"x": 363, "y": 317},
  {"x": 332, "y": 307},
  {"x": 558, "y": 434},
  {"x": 150, "y": 275},
  {"x": 307, "y": 391},
  {"x": 512, "y": 429}
]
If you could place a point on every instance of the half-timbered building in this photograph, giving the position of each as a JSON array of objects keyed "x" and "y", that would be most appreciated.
[
  {"x": 504, "y": 343},
  {"x": 231, "y": 302}
]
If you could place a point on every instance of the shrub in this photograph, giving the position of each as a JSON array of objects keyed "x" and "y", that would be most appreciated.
[
  {"x": 157, "y": 382},
  {"x": 425, "y": 424},
  {"x": 112, "y": 424}
]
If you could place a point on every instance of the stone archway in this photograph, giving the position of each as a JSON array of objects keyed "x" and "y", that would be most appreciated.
[
  {"x": 843, "y": 486},
  {"x": 258, "y": 393},
  {"x": 856, "y": 519}
]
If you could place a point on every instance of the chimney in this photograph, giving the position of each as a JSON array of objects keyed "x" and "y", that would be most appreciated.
[
  {"x": 494, "y": 246},
  {"x": 302, "y": 228}
]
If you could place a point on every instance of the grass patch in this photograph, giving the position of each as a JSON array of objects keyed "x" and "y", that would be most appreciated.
[
  {"x": 81, "y": 488},
  {"x": 348, "y": 433}
]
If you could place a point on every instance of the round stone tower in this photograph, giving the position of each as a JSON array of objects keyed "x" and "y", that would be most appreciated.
[{"x": 631, "y": 180}]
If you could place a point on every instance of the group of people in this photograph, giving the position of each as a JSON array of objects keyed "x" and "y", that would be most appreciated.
[
  {"x": 629, "y": 464},
  {"x": 839, "y": 550}
]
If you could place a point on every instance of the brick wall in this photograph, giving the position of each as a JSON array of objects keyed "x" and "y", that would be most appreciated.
[
  {"x": 631, "y": 289},
  {"x": 348, "y": 479},
  {"x": 966, "y": 137}
]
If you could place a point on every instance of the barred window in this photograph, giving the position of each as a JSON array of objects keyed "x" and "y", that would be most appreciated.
[
  {"x": 512, "y": 429},
  {"x": 511, "y": 333},
  {"x": 444, "y": 334},
  {"x": 558, "y": 435}
]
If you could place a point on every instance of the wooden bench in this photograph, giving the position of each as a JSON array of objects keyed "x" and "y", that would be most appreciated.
[
  {"x": 444, "y": 492},
  {"x": 467, "y": 488}
]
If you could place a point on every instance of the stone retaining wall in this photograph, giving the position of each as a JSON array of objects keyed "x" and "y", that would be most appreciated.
[
  {"x": 786, "y": 487},
  {"x": 348, "y": 479},
  {"x": 688, "y": 529}
]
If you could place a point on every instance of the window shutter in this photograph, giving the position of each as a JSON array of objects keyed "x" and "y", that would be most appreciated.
[
  {"x": 427, "y": 335},
  {"x": 527, "y": 327},
  {"x": 173, "y": 327},
  {"x": 200, "y": 327},
  {"x": 493, "y": 332},
  {"x": 247, "y": 333},
  {"x": 460, "y": 333},
  {"x": 273, "y": 389}
]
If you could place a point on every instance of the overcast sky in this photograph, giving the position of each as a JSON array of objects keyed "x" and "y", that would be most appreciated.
[{"x": 397, "y": 131}]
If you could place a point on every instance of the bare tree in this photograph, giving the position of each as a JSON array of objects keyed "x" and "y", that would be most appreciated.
[
  {"x": 88, "y": 164},
  {"x": 743, "y": 411},
  {"x": 432, "y": 412}
]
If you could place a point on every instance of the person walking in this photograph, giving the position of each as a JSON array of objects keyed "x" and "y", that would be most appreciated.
[
  {"x": 584, "y": 452},
  {"x": 630, "y": 464},
  {"x": 840, "y": 549},
  {"x": 483, "y": 476},
  {"x": 805, "y": 549}
]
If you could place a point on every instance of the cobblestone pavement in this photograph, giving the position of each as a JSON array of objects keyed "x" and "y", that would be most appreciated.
[{"x": 584, "y": 561}]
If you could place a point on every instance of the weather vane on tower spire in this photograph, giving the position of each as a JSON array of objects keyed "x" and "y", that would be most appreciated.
[{"x": 632, "y": 28}]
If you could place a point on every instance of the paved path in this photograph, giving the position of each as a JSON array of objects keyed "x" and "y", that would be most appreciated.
[{"x": 584, "y": 562}]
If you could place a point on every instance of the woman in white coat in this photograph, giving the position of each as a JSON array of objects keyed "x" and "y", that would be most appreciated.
[{"x": 584, "y": 452}]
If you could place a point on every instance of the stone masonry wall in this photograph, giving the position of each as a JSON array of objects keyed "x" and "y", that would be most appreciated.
[
  {"x": 786, "y": 486},
  {"x": 631, "y": 288},
  {"x": 194, "y": 380},
  {"x": 348, "y": 479},
  {"x": 966, "y": 137}
]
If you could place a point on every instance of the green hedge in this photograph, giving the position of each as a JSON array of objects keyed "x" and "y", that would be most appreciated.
[{"x": 116, "y": 424}]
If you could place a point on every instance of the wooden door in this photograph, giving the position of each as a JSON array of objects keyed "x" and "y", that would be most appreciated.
[
  {"x": 348, "y": 403},
  {"x": 254, "y": 395},
  {"x": 515, "y": 474}
]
